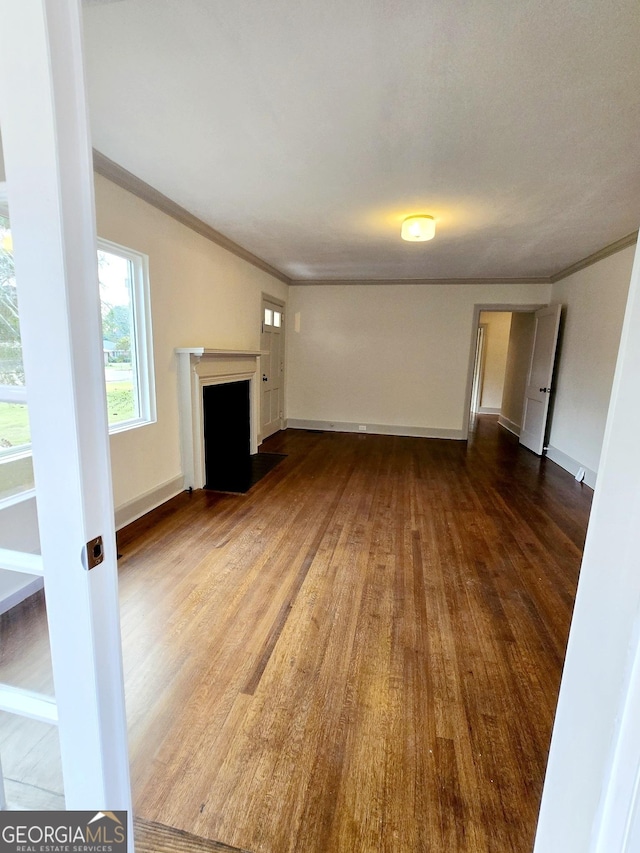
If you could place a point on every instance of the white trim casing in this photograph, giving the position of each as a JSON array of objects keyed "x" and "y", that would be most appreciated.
[
  {"x": 141, "y": 333},
  {"x": 21, "y": 561},
  {"x": 27, "y": 586},
  {"x": 475, "y": 320},
  {"x": 13, "y": 394},
  {"x": 198, "y": 367},
  {"x": 26, "y": 703}
]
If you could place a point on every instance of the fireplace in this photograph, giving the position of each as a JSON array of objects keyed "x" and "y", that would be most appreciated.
[
  {"x": 227, "y": 440},
  {"x": 199, "y": 370}
]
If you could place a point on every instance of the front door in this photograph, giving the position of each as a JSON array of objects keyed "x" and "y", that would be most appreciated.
[
  {"x": 538, "y": 393},
  {"x": 272, "y": 363}
]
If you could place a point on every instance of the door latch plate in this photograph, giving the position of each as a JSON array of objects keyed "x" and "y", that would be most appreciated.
[{"x": 94, "y": 553}]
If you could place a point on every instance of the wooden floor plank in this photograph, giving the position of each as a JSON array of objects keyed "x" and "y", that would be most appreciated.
[
  {"x": 362, "y": 654},
  {"x": 151, "y": 837}
]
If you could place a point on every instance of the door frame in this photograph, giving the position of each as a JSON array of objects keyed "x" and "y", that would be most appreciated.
[
  {"x": 478, "y": 368},
  {"x": 477, "y": 309}
]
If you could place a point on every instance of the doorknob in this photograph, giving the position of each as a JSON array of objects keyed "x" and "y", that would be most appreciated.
[
  {"x": 545, "y": 390},
  {"x": 265, "y": 378}
]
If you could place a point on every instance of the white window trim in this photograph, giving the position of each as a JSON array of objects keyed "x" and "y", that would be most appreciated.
[{"x": 143, "y": 368}]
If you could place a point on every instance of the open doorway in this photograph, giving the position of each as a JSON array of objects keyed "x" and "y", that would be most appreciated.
[
  {"x": 492, "y": 345},
  {"x": 502, "y": 347}
]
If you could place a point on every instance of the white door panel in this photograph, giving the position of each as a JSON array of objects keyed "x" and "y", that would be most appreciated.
[
  {"x": 538, "y": 393},
  {"x": 272, "y": 364}
]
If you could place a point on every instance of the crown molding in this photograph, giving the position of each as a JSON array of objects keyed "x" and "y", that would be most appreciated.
[
  {"x": 352, "y": 281},
  {"x": 600, "y": 255},
  {"x": 128, "y": 181}
]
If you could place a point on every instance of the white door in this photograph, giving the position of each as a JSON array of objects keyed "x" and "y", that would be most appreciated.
[
  {"x": 49, "y": 173},
  {"x": 538, "y": 393},
  {"x": 272, "y": 365}
]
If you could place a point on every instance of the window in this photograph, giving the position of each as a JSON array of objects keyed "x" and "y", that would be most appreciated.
[
  {"x": 128, "y": 360},
  {"x": 272, "y": 318},
  {"x": 126, "y": 333},
  {"x": 15, "y": 436}
]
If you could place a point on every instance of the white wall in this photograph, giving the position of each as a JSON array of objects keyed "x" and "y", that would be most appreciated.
[
  {"x": 201, "y": 294},
  {"x": 590, "y": 776},
  {"x": 387, "y": 355},
  {"x": 393, "y": 356},
  {"x": 498, "y": 324},
  {"x": 517, "y": 368},
  {"x": 594, "y": 301}
]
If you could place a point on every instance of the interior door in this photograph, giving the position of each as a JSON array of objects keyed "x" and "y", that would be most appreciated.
[
  {"x": 272, "y": 364},
  {"x": 538, "y": 393}
]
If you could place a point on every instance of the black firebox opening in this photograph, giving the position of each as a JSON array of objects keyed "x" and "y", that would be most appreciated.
[{"x": 227, "y": 436}]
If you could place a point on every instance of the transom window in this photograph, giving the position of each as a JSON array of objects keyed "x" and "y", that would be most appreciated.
[{"x": 272, "y": 318}]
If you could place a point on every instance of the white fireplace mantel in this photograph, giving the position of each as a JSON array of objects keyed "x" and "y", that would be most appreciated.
[{"x": 198, "y": 367}]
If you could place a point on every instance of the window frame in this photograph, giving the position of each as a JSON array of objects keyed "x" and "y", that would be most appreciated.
[{"x": 142, "y": 338}]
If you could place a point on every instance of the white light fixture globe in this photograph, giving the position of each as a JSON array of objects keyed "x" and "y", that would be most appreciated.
[{"x": 418, "y": 228}]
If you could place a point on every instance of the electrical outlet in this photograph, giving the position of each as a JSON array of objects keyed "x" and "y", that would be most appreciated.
[{"x": 362, "y": 427}]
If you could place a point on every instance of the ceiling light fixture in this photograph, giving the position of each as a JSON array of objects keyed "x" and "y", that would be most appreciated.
[{"x": 418, "y": 228}]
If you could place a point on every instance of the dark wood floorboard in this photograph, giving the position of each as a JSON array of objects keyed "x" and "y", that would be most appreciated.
[{"x": 360, "y": 655}]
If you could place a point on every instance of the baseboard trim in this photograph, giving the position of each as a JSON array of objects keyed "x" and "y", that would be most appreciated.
[
  {"x": 377, "y": 429},
  {"x": 19, "y": 595},
  {"x": 510, "y": 425},
  {"x": 571, "y": 465},
  {"x": 488, "y": 410},
  {"x": 124, "y": 514},
  {"x": 132, "y": 510}
]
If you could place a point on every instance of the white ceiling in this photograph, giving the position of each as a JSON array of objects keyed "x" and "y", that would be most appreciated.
[{"x": 305, "y": 131}]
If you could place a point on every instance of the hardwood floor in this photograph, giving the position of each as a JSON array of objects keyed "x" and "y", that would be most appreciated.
[
  {"x": 153, "y": 837},
  {"x": 362, "y": 654}
]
